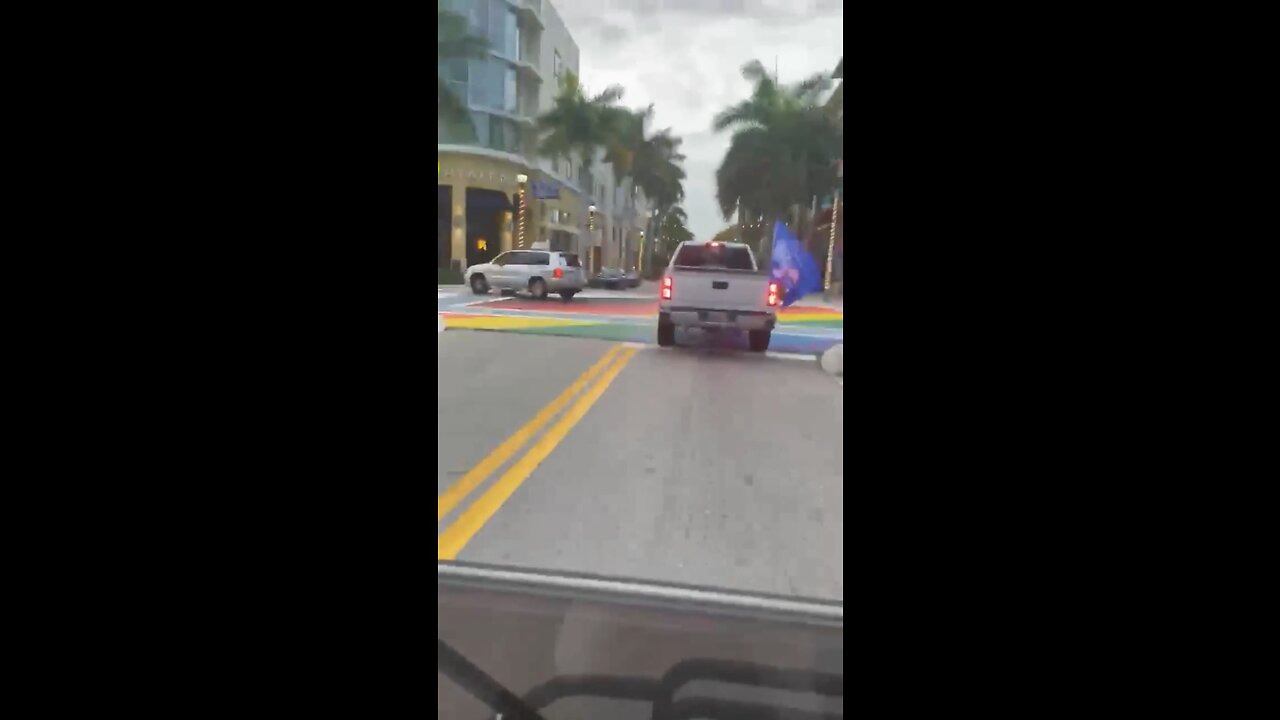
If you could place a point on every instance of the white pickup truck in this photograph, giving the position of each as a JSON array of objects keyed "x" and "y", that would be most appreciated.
[{"x": 717, "y": 286}]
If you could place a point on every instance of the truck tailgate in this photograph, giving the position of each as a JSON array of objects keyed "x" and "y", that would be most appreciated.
[{"x": 719, "y": 290}]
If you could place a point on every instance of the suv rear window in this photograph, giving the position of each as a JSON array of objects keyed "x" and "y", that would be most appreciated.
[
  {"x": 714, "y": 256},
  {"x": 529, "y": 258},
  {"x": 571, "y": 259}
]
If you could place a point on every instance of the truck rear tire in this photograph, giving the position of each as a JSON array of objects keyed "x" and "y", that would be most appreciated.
[
  {"x": 758, "y": 340},
  {"x": 666, "y": 331}
]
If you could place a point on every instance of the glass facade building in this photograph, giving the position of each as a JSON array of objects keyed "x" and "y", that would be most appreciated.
[{"x": 501, "y": 115}]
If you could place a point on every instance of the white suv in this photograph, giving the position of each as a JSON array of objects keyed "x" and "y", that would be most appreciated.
[{"x": 538, "y": 271}]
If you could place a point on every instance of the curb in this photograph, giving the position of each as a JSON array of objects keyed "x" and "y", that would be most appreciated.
[{"x": 832, "y": 361}]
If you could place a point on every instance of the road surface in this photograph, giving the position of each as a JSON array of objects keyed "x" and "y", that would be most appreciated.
[{"x": 702, "y": 465}]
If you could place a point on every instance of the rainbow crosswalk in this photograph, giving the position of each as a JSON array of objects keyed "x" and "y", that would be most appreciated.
[{"x": 801, "y": 329}]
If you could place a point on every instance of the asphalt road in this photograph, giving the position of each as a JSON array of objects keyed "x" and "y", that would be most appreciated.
[{"x": 705, "y": 466}]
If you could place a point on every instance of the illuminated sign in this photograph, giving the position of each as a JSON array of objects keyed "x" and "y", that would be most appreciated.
[{"x": 492, "y": 176}]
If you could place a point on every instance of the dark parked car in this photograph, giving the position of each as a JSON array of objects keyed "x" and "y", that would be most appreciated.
[
  {"x": 611, "y": 278},
  {"x": 633, "y": 278}
]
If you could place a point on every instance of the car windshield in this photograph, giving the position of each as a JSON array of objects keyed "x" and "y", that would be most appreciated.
[{"x": 640, "y": 337}]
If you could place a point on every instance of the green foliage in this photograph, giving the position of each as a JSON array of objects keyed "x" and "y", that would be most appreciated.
[
  {"x": 577, "y": 125},
  {"x": 652, "y": 162},
  {"x": 783, "y": 146},
  {"x": 673, "y": 230},
  {"x": 752, "y": 235}
]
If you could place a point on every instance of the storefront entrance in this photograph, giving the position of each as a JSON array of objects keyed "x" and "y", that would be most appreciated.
[
  {"x": 487, "y": 212},
  {"x": 444, "y": 224}
]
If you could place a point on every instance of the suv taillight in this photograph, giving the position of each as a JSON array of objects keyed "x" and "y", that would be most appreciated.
[
  {"x": 773, "y": 294},
  {"x": 667, "y": 287},
  {"x": 559, "y": 273}
]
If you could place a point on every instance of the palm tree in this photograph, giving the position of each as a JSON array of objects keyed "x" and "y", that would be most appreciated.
[
  {"x": 651, "y": 162},
  {"x": 674, "y": 230},
  {"x": 579, "y": 125},
  {"x": 769, "y": 100},
  {"x": 782, "y": 150},
  {"x": 454, "y": 43},
  {"x": 670, "y": 233}
]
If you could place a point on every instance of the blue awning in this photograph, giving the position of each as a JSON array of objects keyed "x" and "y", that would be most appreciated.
[{"x": 545, "y": 190}]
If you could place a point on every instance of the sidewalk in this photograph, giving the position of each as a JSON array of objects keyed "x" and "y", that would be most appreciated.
[
  {"x": 816, "y": 300},
  {"x": 831, "y": 361}
]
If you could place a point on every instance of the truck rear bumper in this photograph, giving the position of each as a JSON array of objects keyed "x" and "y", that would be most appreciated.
[{"x": 735, "y": 319}]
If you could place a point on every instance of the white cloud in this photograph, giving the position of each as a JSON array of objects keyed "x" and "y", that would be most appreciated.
[{"x": 684, "y": 56}]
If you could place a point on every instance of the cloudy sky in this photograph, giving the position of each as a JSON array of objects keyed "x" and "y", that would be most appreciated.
[{"x": 684, "y": 57}]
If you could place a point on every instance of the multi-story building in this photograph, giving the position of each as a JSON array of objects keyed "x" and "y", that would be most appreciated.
[
  {"x": 621, "y": 211},
  {"x": 480, "y": 164}
]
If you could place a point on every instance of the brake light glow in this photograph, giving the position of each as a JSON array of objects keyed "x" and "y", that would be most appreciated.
[
  {"x": 667, "y": 287},
  {"x": 773, "y": 294},
  {"x": 559, "y": 273}
]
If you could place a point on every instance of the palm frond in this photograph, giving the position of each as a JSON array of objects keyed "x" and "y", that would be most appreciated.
[{"x": 783, "y": 145}]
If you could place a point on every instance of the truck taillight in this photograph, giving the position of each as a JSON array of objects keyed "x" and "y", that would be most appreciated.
[
  {"x": 773, "y": 294},
  {"x": 667, "y": 287},
  {"x": 559, "y": 273}
]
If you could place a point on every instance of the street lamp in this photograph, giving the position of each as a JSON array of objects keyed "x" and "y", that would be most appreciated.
[
  {"x": 521, "y": 180},
  {"x": 591, "y": 230}
]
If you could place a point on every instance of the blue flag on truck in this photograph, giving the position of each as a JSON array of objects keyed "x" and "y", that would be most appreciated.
[{"x": 793, "y": 267}]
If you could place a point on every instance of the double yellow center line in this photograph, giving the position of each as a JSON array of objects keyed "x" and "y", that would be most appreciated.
[{"x": 468, "y": 523}]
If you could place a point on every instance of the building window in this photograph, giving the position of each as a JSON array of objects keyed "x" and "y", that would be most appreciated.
[
  {"x": 497, "y": 134},
  {"x": 480, "y": 18},
  {"x": 509, "y": 91},
  {"x": 512, "y": 37},
  {"x": 557, "y": 67},
  {"x": 502, "y": 134}
]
